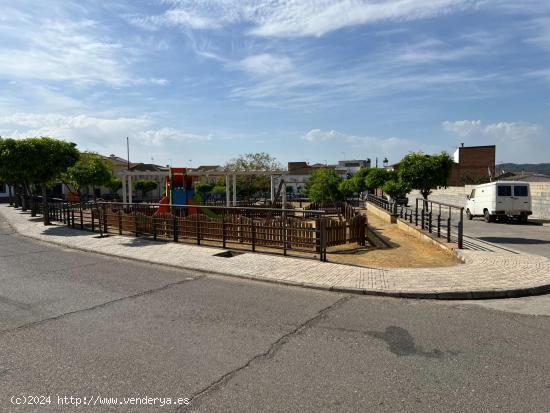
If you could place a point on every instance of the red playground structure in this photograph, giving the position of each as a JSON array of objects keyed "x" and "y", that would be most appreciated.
[{"x": 178, "y": 191}]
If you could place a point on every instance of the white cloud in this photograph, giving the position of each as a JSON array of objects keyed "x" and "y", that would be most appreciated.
[
  {"x": 159, "y": 81},
  {"x": 318, "y": 135},
  {"x": 92, "y": 132},
  {"x": 161, "y": 136},
  {"x": 63, "y": 43},
  {"x": 265, "y": 64},
  {"x": 502, "y": 131},
  {"x": 57, "y": 50},
  {"x": 316, "y": 18},
  {"x": 393, "y": 148},
  {"x": 296, "y": 18},
  {"x": 515, "y": 141}
]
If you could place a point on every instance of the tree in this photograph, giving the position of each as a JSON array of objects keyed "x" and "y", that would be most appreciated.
[
  {"x": 323, "y": 186},
  {"x": 203, "y": 188},
  {"x": 218, "y": 189},
  {"x": 145, "y": 186},
  {"x": 425, "y": 172},
  {"x": 377, "y": 177},
  {"x": 250, "y": 184},
  {"x": 114, "y": 183},
  {"x": 347, "y": 187},
  {"x": 355, "y": 184},
  {"x": 89, "y": 170},
  {"x": 396, "y": 189},
  {"x": 46, "y": 160},
  {"x": 13, "y": 159}
]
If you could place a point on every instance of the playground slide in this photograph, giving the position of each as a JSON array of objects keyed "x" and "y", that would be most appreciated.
[{"x": 164, "y": 207}]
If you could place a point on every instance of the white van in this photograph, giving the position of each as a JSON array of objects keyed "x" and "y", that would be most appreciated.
[{"x": 500, "y": 200}]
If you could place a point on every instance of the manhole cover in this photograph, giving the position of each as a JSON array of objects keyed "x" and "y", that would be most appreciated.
[{"x": 228, "y": 254}]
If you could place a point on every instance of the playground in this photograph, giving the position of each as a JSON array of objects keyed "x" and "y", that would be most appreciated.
[{"x": 335, "y": 232}]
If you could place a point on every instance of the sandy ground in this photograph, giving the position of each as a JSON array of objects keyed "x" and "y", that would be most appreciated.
[{"x": 406, "y": 251}]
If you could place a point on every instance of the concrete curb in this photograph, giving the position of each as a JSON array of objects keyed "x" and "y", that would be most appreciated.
[{"x": 430, "y": 295}]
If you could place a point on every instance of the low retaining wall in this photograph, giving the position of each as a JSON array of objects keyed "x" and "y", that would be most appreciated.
[
  {"x": 456, "y": 195},
  {"x": 411, "y": 229}
]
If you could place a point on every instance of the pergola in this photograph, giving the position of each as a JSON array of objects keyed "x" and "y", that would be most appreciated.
[{"x": 127, "y": 189}]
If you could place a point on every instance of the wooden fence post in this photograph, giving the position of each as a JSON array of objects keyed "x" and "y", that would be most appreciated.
[
  {"x": 119, "y": 219},
  {"x": 105, "y": 218},
  {"x": 197, "y": 229},
  {"x": 175, "y": 228},
  {"x": 224, "y": 235},
  {"x": 253, "y": 230}
]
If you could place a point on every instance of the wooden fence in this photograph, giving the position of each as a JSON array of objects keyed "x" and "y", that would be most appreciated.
[{"x": 227, "y": 227}]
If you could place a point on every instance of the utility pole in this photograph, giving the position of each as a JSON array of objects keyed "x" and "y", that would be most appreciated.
[{"x": 128, "y": 151}]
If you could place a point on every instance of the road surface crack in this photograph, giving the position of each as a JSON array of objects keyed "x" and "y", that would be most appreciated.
[
  {"x": 195, "y": 399},
  {"x": 101, "y": 305}
]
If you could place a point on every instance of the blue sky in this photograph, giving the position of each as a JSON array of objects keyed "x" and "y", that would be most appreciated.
[{"x": 201, "y": 81}]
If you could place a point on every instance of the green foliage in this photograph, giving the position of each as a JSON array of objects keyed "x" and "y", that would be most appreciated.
[
  {"x": 47, "y": 158},
  {"x": 260, "y": 161},
  {"x": 347, "y": 187},
  {"x": 425, "y": 172},
  {"x": 355, "y": 184},
  {"x": 377, "y": 177},
  {"x": 324, "y": 186},
  {"x": 36, "y": 161},
  {"x": 250, "y": 184},
  {"x": 114, "y": 183},
  {"x": 89, "y": 170},
  {"x": 203, "y": 187},
  {"x": 218, "y": 189},
  {"x": 396, "y": 189},
  {"x": 13, "y": 158},
  {"x": 145, "y": 186}
]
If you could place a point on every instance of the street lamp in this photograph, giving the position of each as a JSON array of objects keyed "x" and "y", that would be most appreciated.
[{"x": 385, "y": 162}]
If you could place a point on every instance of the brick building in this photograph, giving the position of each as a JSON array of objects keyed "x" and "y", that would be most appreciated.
[{"x": 473, "y": 163}]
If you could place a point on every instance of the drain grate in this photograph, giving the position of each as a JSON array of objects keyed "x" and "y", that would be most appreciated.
[{"x": 228, "y": 254}]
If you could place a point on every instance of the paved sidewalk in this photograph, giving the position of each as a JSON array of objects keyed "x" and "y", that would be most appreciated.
[{"x": 483, "y": 275}]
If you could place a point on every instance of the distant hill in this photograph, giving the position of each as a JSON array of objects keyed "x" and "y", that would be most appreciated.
[{"x": 541, "y": 168}]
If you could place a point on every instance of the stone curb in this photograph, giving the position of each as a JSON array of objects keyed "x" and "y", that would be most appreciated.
[{"x": 429, "y": 295}]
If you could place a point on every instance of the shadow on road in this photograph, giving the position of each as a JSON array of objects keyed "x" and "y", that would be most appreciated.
[{"x": 509, "y": 240}]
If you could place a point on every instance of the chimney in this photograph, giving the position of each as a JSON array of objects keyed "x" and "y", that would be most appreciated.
[{"x": 462, "y": 145}]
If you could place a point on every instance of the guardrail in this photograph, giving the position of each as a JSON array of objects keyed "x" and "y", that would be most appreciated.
[{"x": 438, "y": 218}]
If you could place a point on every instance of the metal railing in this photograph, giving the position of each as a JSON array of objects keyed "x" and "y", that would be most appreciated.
[{"x": 439, "y": 219}]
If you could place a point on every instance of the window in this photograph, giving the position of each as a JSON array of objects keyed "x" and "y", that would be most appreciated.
[
  {"x": 3, "y": 188},
  {"x": 473, "y": 194},
  {"x": 521, "y": 190},
  {"x": 504, "y": 190}
]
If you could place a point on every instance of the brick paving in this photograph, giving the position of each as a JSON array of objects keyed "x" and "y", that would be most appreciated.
[{"x": 483, "y": 274}]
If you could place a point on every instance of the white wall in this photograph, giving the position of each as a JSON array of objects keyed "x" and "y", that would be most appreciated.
[{"x": 456, "y": 195}]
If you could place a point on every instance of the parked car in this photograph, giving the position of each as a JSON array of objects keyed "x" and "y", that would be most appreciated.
[{"x": 500, "y": 200}]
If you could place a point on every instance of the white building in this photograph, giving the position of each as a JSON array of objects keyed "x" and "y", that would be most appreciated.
[{"x": 299, "y": 172}]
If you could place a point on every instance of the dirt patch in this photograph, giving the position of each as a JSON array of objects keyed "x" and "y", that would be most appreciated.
[{"x": 389, "y": 247}]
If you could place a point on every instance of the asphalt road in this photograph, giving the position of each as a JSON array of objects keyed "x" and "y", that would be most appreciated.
[
  {"x": 530, "y": 238},
  {"x": 81, "y": 325}
]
